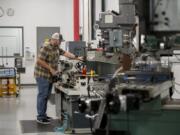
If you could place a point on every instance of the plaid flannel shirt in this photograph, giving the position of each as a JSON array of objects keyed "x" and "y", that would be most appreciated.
[{"x": 50, "y": 54}]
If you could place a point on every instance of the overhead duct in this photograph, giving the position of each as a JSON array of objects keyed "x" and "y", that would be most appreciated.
[{"x": 76, "y": 20}]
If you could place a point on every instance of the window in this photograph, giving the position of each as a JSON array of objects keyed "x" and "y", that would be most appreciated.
[{"x": 11, "y": 41}]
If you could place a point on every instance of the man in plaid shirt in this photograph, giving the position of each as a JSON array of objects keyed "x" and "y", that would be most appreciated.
[{"x": 47, "y": 66}]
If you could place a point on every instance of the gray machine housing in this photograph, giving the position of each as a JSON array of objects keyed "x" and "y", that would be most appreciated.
[
  {"x": 76, "y": 47},
  {"x": 125, "y": 17}
]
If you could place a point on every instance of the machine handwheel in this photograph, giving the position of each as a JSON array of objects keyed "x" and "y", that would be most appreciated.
[{"x": 79, "y": 66}]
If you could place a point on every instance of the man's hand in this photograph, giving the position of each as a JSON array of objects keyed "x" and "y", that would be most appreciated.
[
  {"x": 80, "y": 58},
  {"x": 72, "y": 56},
  {"x": 53, "y": 72}
]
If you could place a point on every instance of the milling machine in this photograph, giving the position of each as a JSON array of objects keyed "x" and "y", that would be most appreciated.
[{"x": 137, "y": 98}]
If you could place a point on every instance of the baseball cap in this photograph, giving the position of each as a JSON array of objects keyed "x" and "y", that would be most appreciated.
[
  {"x": 57, "y": 36},
  {"x": 61, "y": 37}
]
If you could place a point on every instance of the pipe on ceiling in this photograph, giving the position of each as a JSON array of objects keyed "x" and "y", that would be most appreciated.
[{"x": 76, "y": 20}]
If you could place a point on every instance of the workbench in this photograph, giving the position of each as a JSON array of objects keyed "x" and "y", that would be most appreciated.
[{"x": 66, "y": 101}]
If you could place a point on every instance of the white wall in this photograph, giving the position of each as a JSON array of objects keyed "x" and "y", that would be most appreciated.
[{"x": 33, "y": 13}]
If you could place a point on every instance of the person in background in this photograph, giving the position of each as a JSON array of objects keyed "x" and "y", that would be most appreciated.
[{"x": 46, "y": 67}]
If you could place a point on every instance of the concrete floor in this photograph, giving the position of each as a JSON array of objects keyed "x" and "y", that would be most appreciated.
[{"x": 12, "y": 110}]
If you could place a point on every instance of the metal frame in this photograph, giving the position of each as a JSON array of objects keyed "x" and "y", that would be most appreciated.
[
  {"x": 87, "y": 21},
  {"x": 103, "y": 6},
  {"x": 93, "y": 18},
  {"x": 20, "y": 27},
  {"x": 93, "y": 15}
]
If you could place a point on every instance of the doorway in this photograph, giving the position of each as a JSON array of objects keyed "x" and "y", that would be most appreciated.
[{"x": 44, "y": 33}]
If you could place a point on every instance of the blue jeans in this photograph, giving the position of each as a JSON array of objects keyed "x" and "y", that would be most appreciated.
[{"x": 44, "y": 91}]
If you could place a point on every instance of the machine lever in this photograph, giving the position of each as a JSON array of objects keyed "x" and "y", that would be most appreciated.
[{"x": 92, "y": 117}]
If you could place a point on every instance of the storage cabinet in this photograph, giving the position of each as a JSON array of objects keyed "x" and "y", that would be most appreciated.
[{"x": 8, "y": 82}]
